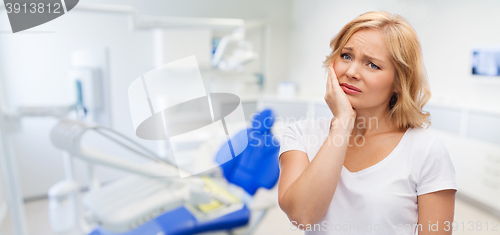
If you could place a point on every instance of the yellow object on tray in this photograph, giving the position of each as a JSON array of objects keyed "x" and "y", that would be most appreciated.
[
  {"x": 214, "y": 188},
  {"x": 212, "y": 205}
]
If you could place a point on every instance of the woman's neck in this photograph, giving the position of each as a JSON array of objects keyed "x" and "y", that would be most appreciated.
[{"x": 372, "y": 121}]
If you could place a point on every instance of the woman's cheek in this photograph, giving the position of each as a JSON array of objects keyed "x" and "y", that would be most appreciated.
[{"x": 338, "y": 71}]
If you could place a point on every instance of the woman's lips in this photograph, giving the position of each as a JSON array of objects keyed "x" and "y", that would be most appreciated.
[{"x": 350, "y": 89}]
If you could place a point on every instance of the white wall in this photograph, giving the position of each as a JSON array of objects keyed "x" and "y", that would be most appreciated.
[
  {"x": 275, "y": 12},
  {"x": 447, "y": 30},
  {"x": 34, "y": 68}
]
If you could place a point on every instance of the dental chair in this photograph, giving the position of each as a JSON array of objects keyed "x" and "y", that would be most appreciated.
[{"x": 153, "y": 202}]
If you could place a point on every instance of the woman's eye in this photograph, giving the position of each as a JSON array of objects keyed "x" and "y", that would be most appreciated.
[
  {"x": 345, "y": 56},
  {"x": 373, "y": 66}
]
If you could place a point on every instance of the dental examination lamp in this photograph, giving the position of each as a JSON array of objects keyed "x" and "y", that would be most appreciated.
[{"x": 233, "y": 52}]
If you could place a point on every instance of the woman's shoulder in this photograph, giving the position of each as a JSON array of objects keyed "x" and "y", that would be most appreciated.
[
  {"x": 310, "y": 124},
  {"x": 425, "y": 138},
  {"x": 305, "y": 134},
  {"x": 424, "y": 133}
]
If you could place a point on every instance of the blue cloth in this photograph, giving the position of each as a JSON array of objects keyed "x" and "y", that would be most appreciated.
[{"x": 257, "y": 166}]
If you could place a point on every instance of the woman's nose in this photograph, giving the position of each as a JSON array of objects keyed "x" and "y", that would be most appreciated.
[{"x": 353, "y": 71}]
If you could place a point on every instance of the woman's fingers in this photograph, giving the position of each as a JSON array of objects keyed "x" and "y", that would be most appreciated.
[
  {"x": 335, "y": 97},
  {"x": 329, "y": 81},
  {"x": 328, "y": 78},
  {"x": 333, "y": 77}
]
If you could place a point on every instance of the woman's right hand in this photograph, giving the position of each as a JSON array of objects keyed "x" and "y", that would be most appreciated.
[{"x": 335, "y": 97}]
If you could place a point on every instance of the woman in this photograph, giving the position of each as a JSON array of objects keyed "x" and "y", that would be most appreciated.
[{"x": 376, "y": 169}]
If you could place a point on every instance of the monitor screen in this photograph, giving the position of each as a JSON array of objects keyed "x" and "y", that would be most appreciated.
[{"x": 486, "y": 61}]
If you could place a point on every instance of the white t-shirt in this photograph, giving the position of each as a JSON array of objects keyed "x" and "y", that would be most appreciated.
[{"x": 381, "y": 199}]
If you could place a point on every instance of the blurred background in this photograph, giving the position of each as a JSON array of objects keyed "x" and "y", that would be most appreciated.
[{"x": 268, "y": 53}]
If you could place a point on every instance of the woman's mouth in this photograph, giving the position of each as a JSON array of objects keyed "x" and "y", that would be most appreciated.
[{"x": 349, "y": 89}]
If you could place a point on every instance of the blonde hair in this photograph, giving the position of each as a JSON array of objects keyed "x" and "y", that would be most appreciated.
[{"x": 412, "y": 88}]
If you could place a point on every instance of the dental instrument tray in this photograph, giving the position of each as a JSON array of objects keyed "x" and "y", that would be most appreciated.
[{"x": 141, "y": 205}]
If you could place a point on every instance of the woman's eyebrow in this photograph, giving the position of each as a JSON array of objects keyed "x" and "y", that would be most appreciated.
[{"x": 365, "y": 55}]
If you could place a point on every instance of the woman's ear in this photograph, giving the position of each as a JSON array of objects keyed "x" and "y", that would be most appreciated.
[
  {"x": 394, "y": 90},
  {"x": 394, "y": 100}
]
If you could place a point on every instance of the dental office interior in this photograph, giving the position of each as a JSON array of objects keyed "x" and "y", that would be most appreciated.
[{"x": 81, "y": 154}]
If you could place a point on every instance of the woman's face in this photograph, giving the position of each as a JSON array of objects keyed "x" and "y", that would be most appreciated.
[{"x": 364, "y": 62}]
